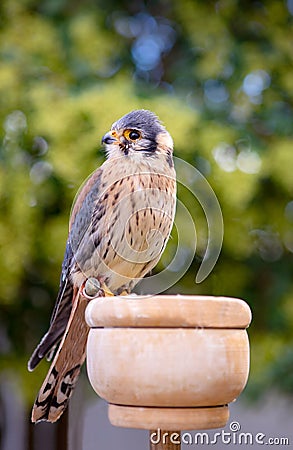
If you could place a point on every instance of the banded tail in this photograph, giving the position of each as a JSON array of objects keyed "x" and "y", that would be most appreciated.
[{"x": 63, "y": 374}]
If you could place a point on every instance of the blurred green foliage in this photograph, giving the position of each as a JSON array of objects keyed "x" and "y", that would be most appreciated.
[{"x": 219, "y": 74}]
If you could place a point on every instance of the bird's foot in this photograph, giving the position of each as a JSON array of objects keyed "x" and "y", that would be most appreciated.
[
  {"x": 106, "y": 290},
  {"x": 124, "y": 294}
]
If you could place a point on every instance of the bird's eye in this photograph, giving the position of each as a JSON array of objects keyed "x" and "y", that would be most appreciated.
[{"x": 133, "y": 135}]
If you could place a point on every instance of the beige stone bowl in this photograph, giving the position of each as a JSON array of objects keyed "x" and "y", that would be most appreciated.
[{"x": 169, "y": 362}]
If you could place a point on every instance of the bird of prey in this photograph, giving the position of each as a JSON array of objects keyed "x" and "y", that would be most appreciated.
[{"x": 119, "y": 226}]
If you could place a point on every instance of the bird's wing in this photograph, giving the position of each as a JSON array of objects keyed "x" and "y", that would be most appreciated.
[
  {"x": 67, "y": 322},
  {"x": 80, "y": 221},
  {"x": 60, "y": 315}
]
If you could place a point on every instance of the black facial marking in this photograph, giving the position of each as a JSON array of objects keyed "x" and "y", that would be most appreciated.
[
  {"x": 152, "y": 147},
  {"x": 169, "y": 159}
]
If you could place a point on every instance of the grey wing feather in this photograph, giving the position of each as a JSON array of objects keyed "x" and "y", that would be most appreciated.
[
  {"x": 60, "y": 315},
  {"x": 63, "y": 306}
]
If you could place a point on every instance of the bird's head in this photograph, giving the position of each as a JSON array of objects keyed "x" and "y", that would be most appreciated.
[{"x": 139, "y": 132}]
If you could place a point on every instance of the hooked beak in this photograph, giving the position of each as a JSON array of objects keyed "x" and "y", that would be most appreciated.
[{"x": 108, "y": 138}]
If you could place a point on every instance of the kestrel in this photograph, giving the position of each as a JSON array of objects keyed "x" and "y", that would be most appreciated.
[{"x": 119, "y": 226}]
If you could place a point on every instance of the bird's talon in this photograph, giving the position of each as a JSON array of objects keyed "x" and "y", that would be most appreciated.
[{"x": 107, "y": 292}]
